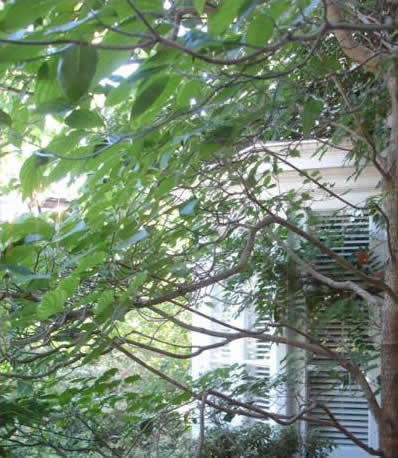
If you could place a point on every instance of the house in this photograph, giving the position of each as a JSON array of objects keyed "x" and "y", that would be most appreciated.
[{"x": 361, "y": 235}]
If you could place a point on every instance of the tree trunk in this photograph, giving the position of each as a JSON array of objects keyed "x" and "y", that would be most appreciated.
[
  {"x": 389, "y": 382},
  {"x": 389, "y": 345}
]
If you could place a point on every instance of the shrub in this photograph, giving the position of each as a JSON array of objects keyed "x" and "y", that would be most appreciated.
[{"x": 262, "y": 441}]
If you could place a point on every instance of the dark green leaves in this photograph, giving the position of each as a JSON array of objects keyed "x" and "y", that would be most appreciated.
[
  {"x": 76, "y": 69},
  {"x": 221, "y": 134},
  {"x": 69, "y": 231},
  {"x": 199, "y": 5},
  {"x": 311, "y": 112},
  {"x": 25, "y": 228},
  {"x": 221, "y": 19},
  {"x": 84, "y": 119},
  {"x": 122, "y": 92},
  {"x": 91, "y": 260},
  {"x": 53, "y": 301},
  {"x": 190, "y": 91},
  {"x": 20, "y": 14},
  {"x": 159, "y": 146},
  {"x": 260, "y": 30},
  {"x": 148, "y": 95},
  {"x": 106, "y": 299},
  {"x": 5, "y": 119},
  {"x": 48, "y": 94}
]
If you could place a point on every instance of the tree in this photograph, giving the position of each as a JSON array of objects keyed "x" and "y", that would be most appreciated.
[{"x": 176, "y": 171}]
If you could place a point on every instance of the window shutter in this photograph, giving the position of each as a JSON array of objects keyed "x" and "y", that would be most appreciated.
[
  {"x": 222, "y": 356},
  {"x": 341, "y": 395},
  {"x": 348, "y": 236},
  {"x": 258, "y": 362}
]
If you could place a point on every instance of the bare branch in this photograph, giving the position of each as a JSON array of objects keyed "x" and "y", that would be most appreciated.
[
  {"x": 175, "y": 355},
  {"x": 259, "y": 335}
]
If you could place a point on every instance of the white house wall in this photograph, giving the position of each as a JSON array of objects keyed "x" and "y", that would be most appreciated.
[{"x": 333, "y": 169}]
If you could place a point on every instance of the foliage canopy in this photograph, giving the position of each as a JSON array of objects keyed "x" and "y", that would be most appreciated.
[{"x": 162, "y": 113}]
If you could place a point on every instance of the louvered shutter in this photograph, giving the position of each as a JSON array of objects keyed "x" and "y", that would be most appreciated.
[
  {"x": 341, "y": 395},
  {"x": 255, "y": 355},
  {"x": 222, "y": 356},
  {"x": 258, "y": 363},
  {"x": 348, "y": 234}
]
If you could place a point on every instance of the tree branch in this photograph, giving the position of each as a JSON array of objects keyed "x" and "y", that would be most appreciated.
[
  {"x": 250, "y": 410},
  {"x": 211, "y": 280},
  {"x": 339, "y": 285},
  {"x": 343, "y": 33}
]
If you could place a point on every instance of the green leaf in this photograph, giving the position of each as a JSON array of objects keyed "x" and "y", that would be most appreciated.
[
  {"x": 30, "y": 176},
  {"x": 132, "y": 378},
  {"x": 189, "y": 207},
  {"x": 109, "y": 61},
  {"x": 200, "y": 6},
  {"x": 197, "y": 40},
  {"x": 106, "y": 299},
  {"x": 278, "y": 8},
  {"x": 164, "y": 160},
  {"x": 43, "y": 278},
  {"x": 137, "y": 281},
  {"x": 148, "y": 95},
  {"x": 191, "y": 90},
  {"x": 76, "y": 69},
  {"x": 123, "y": 91},
  {"x": 20, "y": 15},
  {"x": 311, "y": 112},
  {"x": 78, "y": 227},
  {"x": 95, "y": 354},
  {"x": 69, "y": 285},
  {"x": 5, "y": 119},
  {"x": 90, "y": 261},
  {"x": 70, "y": 25},
  {"x": 164, "y": 186},
  {"x": 16, "y": 53},
  {"x": 137, "y": 237},
  {"x": 221, "y": 19},
  {"x": 48, "y": 94},
  {"x": 120, "y": 94},
  {"x": 52, "y": 302},
  {"x": 260, "y": 30},
  {"x": 84, "y": 119},
  {"x": 107, "y": 375},
  {"x": 180, "y": 398},
  {"x": 24, "y": 228},
  {"x": 222, "y": 134}
]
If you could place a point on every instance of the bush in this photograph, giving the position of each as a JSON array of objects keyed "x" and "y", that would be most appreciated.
[{"x": 262, "y": 441}]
